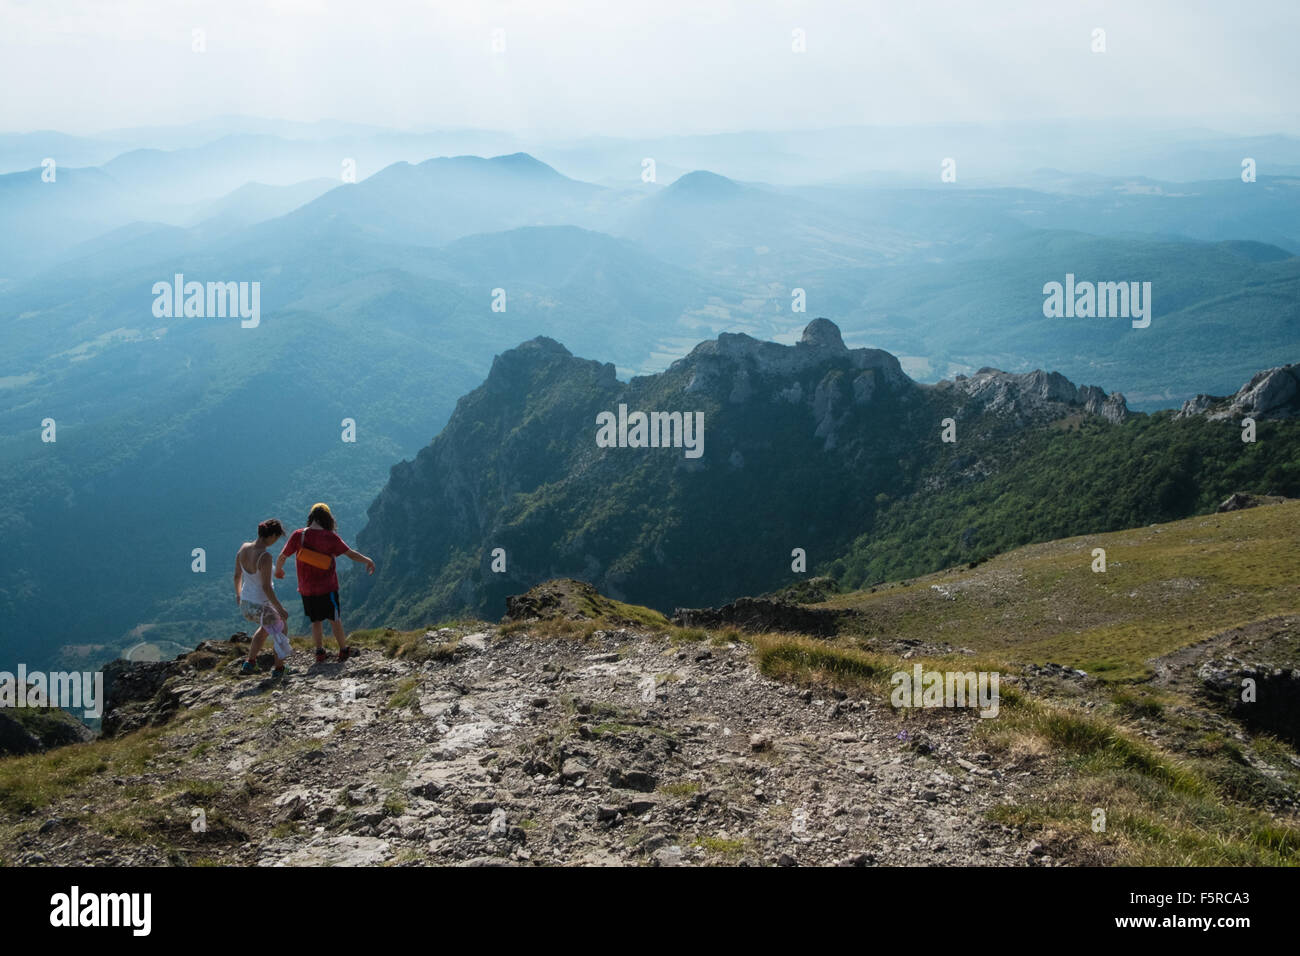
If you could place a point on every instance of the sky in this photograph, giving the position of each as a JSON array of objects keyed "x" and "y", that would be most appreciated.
[{"x": 619, "y": 67}]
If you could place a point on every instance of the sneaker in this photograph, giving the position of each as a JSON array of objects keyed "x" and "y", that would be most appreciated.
[
  {"x": 321, "y": 656},
  {"x": 246, "y": 668},
  {"x": 347, "y": 652},
  {"x": 277, "y": 673}
]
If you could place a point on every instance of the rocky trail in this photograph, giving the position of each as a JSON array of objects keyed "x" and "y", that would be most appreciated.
[{"x": 489, "y": 748}]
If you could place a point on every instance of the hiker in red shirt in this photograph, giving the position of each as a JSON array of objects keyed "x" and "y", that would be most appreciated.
[{"x": 317, "y": 546}]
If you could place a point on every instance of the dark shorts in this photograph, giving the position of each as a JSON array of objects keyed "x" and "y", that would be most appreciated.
[{"x": 321, "y": 607}]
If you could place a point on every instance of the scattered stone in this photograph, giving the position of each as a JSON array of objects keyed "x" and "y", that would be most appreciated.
[
  {"x": 573, "y": 769},
  {"x": 336, "y": 851},
  {"x": 633, "y": 780},
  {"x": 667, "y": 856}
]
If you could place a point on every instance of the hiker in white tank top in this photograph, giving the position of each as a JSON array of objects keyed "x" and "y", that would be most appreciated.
[
  {"x": 255, "y": 595},
  {"x": 251, "y": 592}
]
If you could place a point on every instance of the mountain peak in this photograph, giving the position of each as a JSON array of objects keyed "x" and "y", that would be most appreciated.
[
  {"x": 820, "y": 346},
  {"x": 524, "y": 368},
  {"x": 702, "y": 184},
  {"x": 525, "y": 163},
  {"x": 519, "y": 164},
  {"x": 535, "y": 350},
  {"x": 823, "y": 334}
]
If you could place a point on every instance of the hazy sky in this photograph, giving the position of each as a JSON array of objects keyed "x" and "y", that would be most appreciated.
[{"x": 624, "y": 67}]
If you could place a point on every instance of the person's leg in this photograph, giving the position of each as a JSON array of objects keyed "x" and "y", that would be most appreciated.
[
  {"x": 259, "y": 636},
  {"x": 318, "y": 636},
  {"x": 336, "y": 622}
]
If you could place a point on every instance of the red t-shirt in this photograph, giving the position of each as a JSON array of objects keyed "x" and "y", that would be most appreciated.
[{"x": 313, "y": 580}]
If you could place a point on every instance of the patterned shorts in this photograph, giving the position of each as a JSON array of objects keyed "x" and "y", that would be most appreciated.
[{"x": 263, "y": 615}]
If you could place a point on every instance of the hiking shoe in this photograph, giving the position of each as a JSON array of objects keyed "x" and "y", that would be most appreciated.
[
  {"x": 246, "y": 668},
  {"x": 346, "y": 653},
  {"x": 321, "y": 656},
  {"x": 277, "y": 673}
]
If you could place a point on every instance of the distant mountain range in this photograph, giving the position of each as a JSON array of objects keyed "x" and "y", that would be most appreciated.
[
  {"x": 1008, "y": 152},
  {"x": 377, "y": 301}
]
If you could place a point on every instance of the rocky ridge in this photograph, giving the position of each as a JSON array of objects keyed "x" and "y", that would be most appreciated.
[
  {"x": 1037, "y": 395},
  {"x": 825, "y": 429},
  {"x": 482, "y": 747}
]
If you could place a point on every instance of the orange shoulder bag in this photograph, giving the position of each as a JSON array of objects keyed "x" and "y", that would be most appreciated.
[{"x": 314, "y": 558}]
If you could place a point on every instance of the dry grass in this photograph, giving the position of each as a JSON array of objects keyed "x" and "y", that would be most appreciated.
[{"x": 1165, "y": 587}]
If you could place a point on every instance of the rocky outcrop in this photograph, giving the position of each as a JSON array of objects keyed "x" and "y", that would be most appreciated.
[
  {"x": 819, "y": 371},
  {"x": 1264, "y": 698},
  {"x": 1240, "y": 500},
  {"x": 565, "y": 598},
  {"x": 810, "y": 591},
  {"x": 149, "y": 693},
  {"x": 1271, "y": 394},
  {"x": 763, "y": 614},
  {"x": 1036, "y": 395},
  {"x": 15, "y": 738},
  {"x": 29, "y": 730}
]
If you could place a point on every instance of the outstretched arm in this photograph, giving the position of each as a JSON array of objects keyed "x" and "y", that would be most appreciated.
[{"x": 360, "y": 558}]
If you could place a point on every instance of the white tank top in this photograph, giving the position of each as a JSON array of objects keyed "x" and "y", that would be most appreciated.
[{"x": 251, "y": 589}]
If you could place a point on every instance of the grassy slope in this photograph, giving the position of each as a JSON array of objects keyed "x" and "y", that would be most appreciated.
[
  {"x": 1179, "y": 785},
  {"x": 1164, "y": 587}
]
